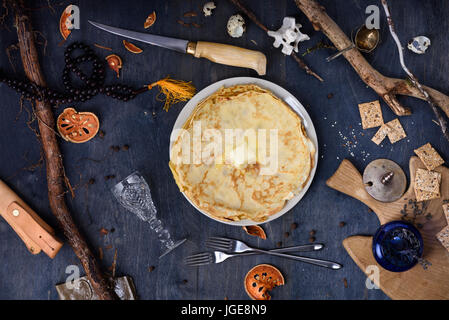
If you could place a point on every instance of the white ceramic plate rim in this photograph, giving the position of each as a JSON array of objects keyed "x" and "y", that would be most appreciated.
[{"x": 280, "y": 93}]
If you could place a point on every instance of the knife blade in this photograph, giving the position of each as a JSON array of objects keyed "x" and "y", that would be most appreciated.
[{"x": 215, "y": 52}]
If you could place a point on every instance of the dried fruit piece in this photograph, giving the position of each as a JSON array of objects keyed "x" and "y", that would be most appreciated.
[
  {"x": 261, "y": 279},
  {"x": 77, "y": 127},
  {"x": 115, "y": 63},
  {"x": 65, "y": 24},
  {"x": 131, "y": 47},
  {"x": 256, "y": 231},
  {"x": 151, "y": 19}
]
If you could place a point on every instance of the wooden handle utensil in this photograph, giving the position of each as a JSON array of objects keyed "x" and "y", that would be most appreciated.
[
  {"x": 229, "y": 55},
  {"x": 35, "y": 233}
]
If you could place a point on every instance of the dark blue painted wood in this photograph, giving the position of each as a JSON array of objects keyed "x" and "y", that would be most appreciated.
[{"x": 145, "y": 127}]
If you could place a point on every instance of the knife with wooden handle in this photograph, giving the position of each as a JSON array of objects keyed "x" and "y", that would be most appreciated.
[
  {"x": 215, "y": 52},
  {"x": 35, "y": 233}
]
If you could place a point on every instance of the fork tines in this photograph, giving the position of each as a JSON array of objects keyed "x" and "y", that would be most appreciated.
[
  {"x": 199, "y": 259},
  {"x": 219, "y": 243}
]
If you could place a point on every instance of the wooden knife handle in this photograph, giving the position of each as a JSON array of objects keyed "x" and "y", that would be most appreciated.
[
  {"x": 36, "y": 234},
  {"x": 229, "y": 55}
]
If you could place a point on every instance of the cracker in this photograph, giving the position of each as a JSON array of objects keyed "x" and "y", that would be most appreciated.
[
  {"x": 396, "y": 131},
  {"x": 429, "y": 156},
  {"x": 446, "y": 211},
  {"x": 427, "y": 180},
  {"x": 381, "y": 134},
  {"x": 425, "y": 195},
  {"x": 371, "y": 114},
  {"x": 443, "y": 237}
]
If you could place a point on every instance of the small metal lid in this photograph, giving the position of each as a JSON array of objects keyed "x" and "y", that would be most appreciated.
[{"x": 384, "y": 180}]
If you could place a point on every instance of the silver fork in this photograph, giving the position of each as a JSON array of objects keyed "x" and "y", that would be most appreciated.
[
  {"x": 205, "y": 258},
  {"x": 236, "y": 246}
]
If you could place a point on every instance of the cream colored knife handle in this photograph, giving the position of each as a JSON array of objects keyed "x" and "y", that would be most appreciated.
[{"x": 229, "y": 55}]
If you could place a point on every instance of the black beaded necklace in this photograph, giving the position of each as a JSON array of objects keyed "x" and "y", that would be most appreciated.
[{"x": 92, "y": 85}]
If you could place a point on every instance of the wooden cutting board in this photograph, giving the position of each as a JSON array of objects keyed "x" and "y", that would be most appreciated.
[{"x": 416, "y": 283}]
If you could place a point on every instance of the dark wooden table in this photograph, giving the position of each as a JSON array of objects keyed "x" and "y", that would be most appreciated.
[{"x": 145, "y": 127}]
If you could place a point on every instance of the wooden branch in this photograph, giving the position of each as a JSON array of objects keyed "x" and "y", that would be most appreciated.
[
  {"x": 253, "y": 17},
  {"x": 387, "y": 88},
  {"x": 412, "y": 77},
  {"x": 53, "y": 157}
]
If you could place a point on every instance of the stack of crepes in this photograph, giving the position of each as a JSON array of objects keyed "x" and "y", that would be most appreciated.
[{"x": 226, "y": 185}]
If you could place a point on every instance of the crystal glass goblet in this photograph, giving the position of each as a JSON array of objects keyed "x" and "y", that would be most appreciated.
[{"x": 134, "y": 194}]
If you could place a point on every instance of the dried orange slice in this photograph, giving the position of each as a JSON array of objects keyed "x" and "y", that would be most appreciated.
[
  {"x": 115, "y": 63},
  {"x": 77, "y": 127},
  {"x": 64, "y": 23},
  {"x": 150, "y": 20},
  {"x": 131, "y": 47},
  {"x": 261, "y": 279},
  {"x": 255, "y": 231}
]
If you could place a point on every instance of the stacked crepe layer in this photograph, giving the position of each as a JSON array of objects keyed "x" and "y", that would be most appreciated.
[{"x": 274, "y": 168}]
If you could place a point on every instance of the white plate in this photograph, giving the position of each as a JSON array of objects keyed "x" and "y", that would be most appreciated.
[{"x": 280, "y": 93}]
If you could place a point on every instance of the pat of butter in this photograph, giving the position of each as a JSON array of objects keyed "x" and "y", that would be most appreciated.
[{"x": 242, "y": 155}]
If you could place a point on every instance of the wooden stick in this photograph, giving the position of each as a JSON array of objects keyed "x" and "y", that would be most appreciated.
[
  {"x": 253, "y": 17},
  {"x": 441, "y": 121},
  {"x": 387, "y": 88},
  {"x": 53, "y": 156}
]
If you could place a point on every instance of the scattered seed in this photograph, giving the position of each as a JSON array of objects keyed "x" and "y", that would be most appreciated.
[
  {"x": 100, "y": 251},
  {"x": 342, "y": 224},
  {"x": 101, "y": 134},
  {"x": 102, "y": 47},
  {"x": 190, "y": 14},
  {"x": 345, "y": 282},
  {"x": 184, "y": 281},
  {"x": 104, "y": 231},
  {"x": 125, "y": 147},
  {"x": 330, "y": 95},
  {"x": 312, "y": 239},
  {"x": 182, "y": 23},
  {"x": 293, "y": 226},
  {"x": 279, "y": 244},
  {"x": 312, "y": 233},
  {"x": 112, "y": 230},
  {"x": 108, "y": 177},
  {"x": 196, "y": 25},
  {"x": 286, "y": 234},
  {"x": 108, "y": 247},
  {"x": 151, "y": 268},
  {"x": 91, "y": 181},
  {"x": 115, "y": 148},
  {"x": 226, "y": 298}
]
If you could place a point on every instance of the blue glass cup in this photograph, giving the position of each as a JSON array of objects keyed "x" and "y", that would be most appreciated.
[{"x": 397, "y": 246}]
